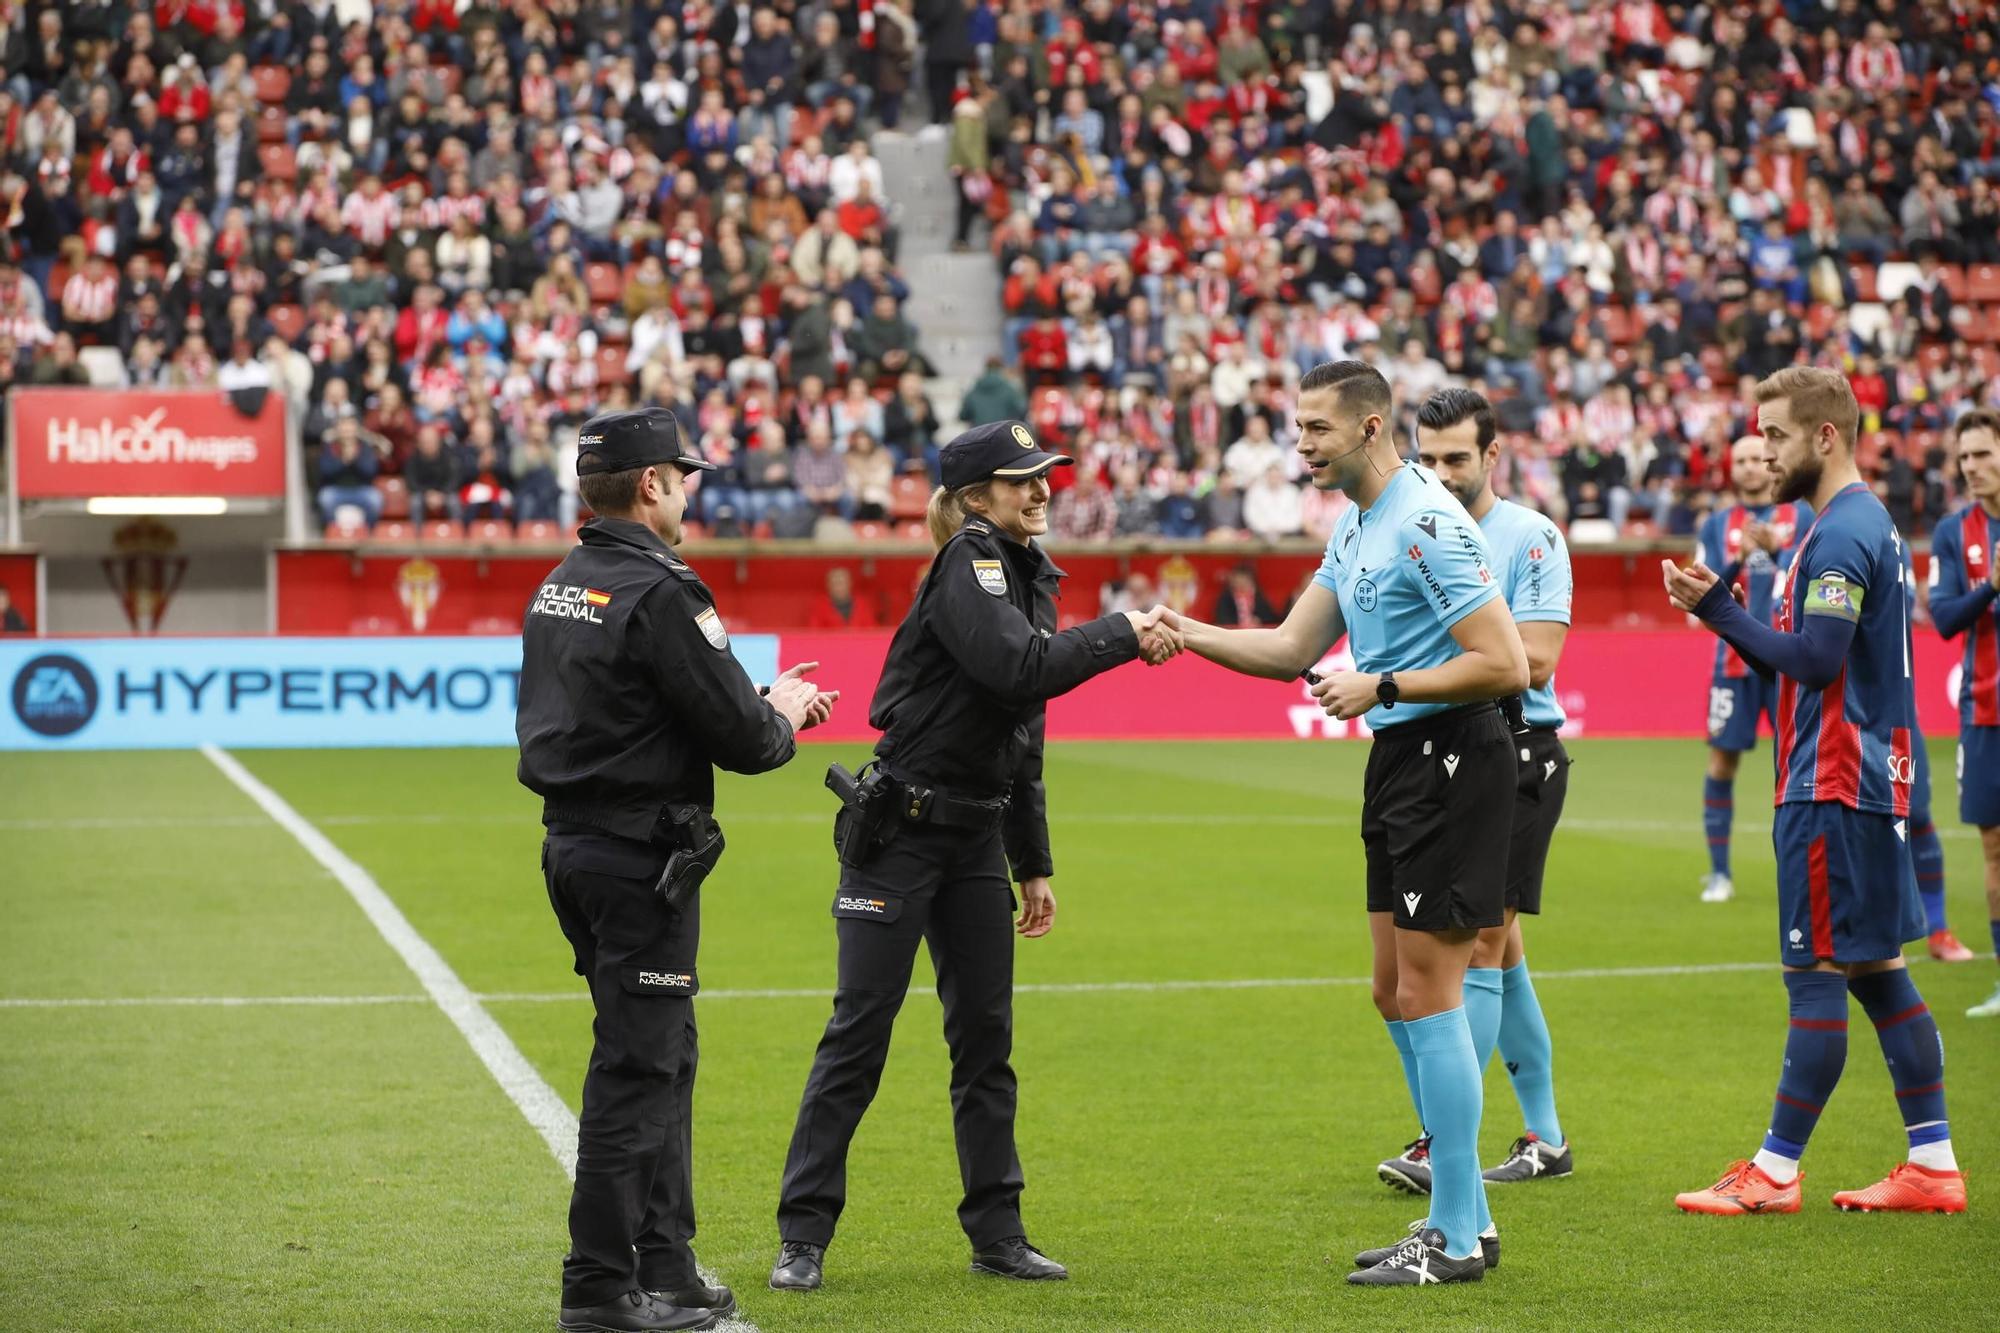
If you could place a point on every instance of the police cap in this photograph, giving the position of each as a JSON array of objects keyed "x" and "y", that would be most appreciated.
[
  {"x": 620, "y": 441},
  {"x": 1004, "y": 449}
]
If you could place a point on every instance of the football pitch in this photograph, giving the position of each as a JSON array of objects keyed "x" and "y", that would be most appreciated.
[{"x": 226, "y": 1102}]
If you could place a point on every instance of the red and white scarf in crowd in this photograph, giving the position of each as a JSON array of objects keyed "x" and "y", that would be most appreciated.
[{"x": 88, "y": 300}]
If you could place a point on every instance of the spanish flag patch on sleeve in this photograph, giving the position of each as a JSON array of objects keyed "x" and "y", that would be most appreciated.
[{"x": 596, "y": 598}]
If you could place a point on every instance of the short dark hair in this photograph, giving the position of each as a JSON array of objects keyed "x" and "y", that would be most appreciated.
[
  {"x": 1447, "y": 407},
  {"x": 1359, "y": 386},
  {"x": 610, "y": 493},
  {"x": 1979, "y": 418}
]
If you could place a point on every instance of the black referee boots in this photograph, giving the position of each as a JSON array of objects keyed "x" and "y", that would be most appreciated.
[{"x": 635, "y": 1312}]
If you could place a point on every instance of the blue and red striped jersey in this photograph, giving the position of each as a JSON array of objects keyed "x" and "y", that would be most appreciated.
[
  {"x": 1719, "y": 544},
  {"x": 1961, "y": 560},
  {"x": 1850, "y": 742}
]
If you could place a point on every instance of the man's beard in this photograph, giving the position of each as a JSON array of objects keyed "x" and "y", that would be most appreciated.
[
  {"x": 1467, "y": 491},
  {"x": 1800, "y": 482}
]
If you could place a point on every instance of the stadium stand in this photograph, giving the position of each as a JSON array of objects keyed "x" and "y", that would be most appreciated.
[{"x": 450, "y": 230}]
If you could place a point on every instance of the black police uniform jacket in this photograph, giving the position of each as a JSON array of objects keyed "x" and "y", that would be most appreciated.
[
  {"x": 629, "y": 693},
  {"x": 963, "y": 697}
]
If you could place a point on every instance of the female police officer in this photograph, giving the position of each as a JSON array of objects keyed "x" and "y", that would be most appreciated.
[{"x": 960, "y": 706}]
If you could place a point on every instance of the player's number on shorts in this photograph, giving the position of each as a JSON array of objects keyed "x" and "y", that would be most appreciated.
[{"x": 1721, "y": 707}]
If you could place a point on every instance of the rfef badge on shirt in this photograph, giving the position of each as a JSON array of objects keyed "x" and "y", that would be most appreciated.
[{"x": 992, "y": 576}]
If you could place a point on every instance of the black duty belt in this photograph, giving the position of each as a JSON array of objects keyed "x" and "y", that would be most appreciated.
[{"x": 921, "y": 803}]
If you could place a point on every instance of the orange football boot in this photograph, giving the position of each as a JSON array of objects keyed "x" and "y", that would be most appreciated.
[
  {"x": 1744, "y": 1188},
  {"x": 1909, "y": 1189},
  {"x": 1946, "y": 948}
]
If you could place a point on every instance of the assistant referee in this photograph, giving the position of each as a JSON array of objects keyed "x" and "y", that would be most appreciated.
[{"x": 1408, "y": 579}]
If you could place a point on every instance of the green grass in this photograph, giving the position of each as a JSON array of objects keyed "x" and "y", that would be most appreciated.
[{"x": 1200, "y": 1158}]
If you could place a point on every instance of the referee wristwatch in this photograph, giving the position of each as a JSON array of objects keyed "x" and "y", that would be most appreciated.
[{"x": 1387, "y": 691}]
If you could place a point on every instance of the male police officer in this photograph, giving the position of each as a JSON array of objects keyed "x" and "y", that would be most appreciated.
[{"x": 629, "y": 694}]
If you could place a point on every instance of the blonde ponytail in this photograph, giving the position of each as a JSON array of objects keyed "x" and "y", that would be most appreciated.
[{"x": 945, "y": 514}]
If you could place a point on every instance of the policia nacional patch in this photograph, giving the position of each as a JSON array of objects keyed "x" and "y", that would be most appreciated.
[
  {"x": 992, "y": 576},
  {"x": 710, "y": 625}
]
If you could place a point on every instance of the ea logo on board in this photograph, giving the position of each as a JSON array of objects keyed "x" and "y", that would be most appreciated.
[{"x": 55, "y": 695}]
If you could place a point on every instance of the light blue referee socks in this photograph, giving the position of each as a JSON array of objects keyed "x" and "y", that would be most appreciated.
[
  {"x": 1448, "y": 1077},
  {"x": 1483, "y": 990},
  {"x": 1524, "y": 1045},
  {"x": 1398, "y": 1035}
]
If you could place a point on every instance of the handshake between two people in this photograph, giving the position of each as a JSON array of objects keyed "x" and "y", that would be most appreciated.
[
  {"x": 1160, "y": 634},
  {"x": 798, "y": 700}
]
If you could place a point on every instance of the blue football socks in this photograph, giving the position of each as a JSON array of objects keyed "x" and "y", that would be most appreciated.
[
  {"x": 1448, "y": 1075},
  {"x": 1529, "y": 1056},
  {"x": 1815, "y": 1053},
  {"x": 1400, "y": 1035},
  {"x": 1483, "y": 995},
  {"x": 1927, "y": 851},
  {"x": 1910, "y": 1045},
  {"x": 1718, "y": 812}
]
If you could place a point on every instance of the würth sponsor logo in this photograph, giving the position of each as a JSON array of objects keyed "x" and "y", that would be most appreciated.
[{"x": 143, "y": 439}]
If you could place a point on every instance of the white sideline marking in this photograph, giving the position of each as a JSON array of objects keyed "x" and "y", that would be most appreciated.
[
  {"x": 1030, "y": 988},
  {"x": 544, "y": 1109}
]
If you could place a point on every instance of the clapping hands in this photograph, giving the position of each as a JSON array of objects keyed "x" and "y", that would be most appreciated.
[
  {"x": 804, "y": 704},
  {"x": 1159, "y": 633}
]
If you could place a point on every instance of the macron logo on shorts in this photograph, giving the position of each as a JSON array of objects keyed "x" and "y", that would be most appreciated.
[
  {"x": 1450, "y": 766},
  {"x": 1410, "y": 901}
]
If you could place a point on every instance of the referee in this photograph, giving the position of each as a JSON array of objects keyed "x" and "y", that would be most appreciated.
[
  {"x": 1408, "y": 579},
  {"x": 629, "y": 697},
  {"x": 1457, "y": 438}
]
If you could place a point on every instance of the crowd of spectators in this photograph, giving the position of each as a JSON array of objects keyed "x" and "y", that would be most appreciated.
[
  {"x": 1610, "y": 217},
  {"x": 451, "y": 230}
]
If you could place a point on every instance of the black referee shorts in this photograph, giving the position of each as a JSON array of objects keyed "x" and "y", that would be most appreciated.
[
  {"x": 1437, "y": 816},
  {"x": 1538, "y": 804}
]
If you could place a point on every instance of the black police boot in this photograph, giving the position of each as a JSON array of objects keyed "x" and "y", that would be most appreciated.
[
  {"x": 797, "y": 1268},
  {"x": 1014, "y": 1257},
  {"x": 719, "y": 1299},
  {"x": 634, "y": 1312}
]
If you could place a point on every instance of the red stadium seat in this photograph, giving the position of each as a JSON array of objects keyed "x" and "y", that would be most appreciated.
[
  {"x": 395, "y": 497},
  {"x": 440, "y": 530},
  {"x": 393, "y": 530},
  {"x": 280, "y": 162},
  {"x": 345, "y": 532},
  {"x": 271, "y": 123},
  {"x": 1954, "y": 280},
  {"x": 272, "y": 83},
  {"x": 913, "y": 530},
  {"x": 1982, "y": 283},
  {"x": 490, "y": 531},
  {"x": 287, "y": 321},
  {"x": 1864, "y": 282},
  {"x": 541, "y": 530},
  {"x": 611, "y": 366},
  {"x": 1620, "y": 328},
  {"x": 604, "y": 282},
  {"x": 909, "y": 496},
  {"x": 693, "y": 531},
  {"x": 871, "y": 531}
]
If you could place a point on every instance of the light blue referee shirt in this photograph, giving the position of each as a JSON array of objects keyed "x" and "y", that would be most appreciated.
[
  {"x": 1407, "y": 569},
  {"x": 1533, "y": 565}
]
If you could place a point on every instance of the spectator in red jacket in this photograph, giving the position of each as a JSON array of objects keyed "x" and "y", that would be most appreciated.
[{"x": 839, "y": 608}]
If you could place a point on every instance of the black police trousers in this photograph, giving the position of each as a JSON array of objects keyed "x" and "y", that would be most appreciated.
[
  {"x": 631, "y": 1215},
  {"x": 949, "y": 887}
]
